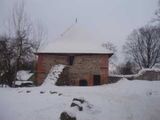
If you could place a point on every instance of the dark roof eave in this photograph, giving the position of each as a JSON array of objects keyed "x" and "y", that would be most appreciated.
[{"x": 110, "y": 54}]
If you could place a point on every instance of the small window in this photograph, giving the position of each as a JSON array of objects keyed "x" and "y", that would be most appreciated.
[{"x": 71, "y": 60}]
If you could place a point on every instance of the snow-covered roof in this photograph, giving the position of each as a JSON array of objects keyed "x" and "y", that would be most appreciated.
[{"x": 75, "y": 40}]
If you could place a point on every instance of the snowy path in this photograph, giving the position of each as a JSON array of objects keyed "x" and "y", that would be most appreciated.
[
  {"x": 125, "y": 100},
  {"x": 53, "y": 75}
]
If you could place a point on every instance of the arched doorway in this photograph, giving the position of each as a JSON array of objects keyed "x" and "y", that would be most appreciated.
[{"x": 83, "y": 83}]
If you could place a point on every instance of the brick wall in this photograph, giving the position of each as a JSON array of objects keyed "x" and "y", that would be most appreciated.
[{"x": 83, "y": 68}]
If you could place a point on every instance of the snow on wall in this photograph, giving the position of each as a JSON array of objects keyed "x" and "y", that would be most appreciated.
[
  {"x": 53, "y": 74},
  {"x": 144, "y": 74},
  {"x": 148, "y": 70}
]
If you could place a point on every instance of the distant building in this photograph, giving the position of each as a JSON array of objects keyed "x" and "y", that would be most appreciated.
[{"x": 85, "y": 59}]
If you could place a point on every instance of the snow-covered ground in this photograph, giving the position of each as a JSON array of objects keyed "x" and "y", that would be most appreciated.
[{"x": 125, "y": 100}]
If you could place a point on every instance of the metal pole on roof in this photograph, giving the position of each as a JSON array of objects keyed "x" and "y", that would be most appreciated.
[{"x": 69, "y": 28}]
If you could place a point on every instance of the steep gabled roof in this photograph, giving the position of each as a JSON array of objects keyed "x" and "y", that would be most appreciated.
[{"x": 75, "y": 40}]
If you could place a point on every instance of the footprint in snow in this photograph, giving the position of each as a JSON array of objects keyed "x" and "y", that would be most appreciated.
[
  {"x": 28, "y": 91},
  {"x": 42, "y": 92}
]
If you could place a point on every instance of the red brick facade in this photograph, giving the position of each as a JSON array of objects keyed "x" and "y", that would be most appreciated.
[{"x": 90, "y": 69}]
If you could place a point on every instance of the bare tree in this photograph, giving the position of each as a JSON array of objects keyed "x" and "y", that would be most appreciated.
[
  {"x": 126, "y": 68},
  {"x": 111, "y": 47},
  {"x": 6, "y": 61},
  {"x": 157, "y": 13},
  {"x": 22, "y": 38},
  {"x": 39, "y": 36},
  {"x": 143, "y": 46}
]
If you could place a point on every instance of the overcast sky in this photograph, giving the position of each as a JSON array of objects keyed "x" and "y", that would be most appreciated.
[{"x": 110, "y": 20}]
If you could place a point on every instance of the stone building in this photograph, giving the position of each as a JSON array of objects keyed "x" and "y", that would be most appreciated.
[{"x": 85, "y": 59}]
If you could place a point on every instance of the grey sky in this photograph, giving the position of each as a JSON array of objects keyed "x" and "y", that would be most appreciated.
[{"x": 111, "y": 20}]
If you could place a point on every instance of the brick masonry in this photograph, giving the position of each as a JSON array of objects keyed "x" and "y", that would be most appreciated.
[{"x": 84, "y": 67}]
